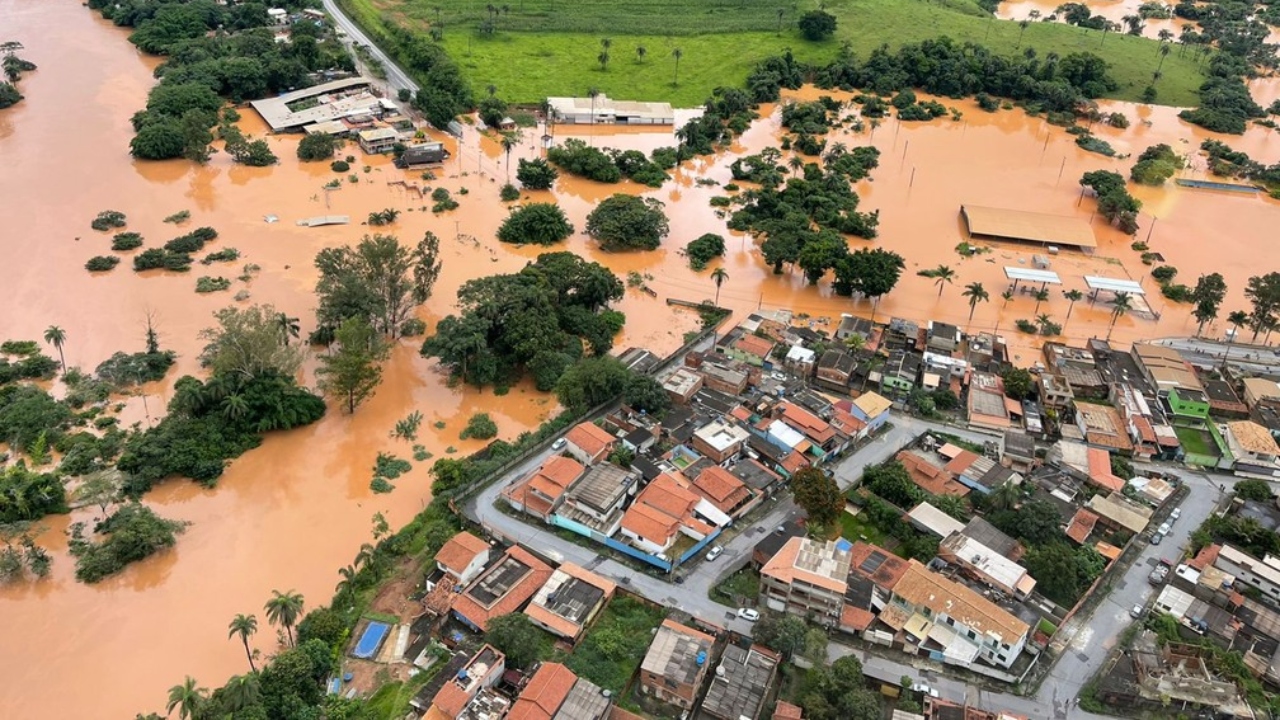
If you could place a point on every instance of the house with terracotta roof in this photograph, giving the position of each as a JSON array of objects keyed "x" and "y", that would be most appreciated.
[
  {"x": 479, "y": 674},
  {"x": 1102, "y": 427},
  {"x": 822, "y": 437},
  {"x": 588, "y": 443},
  {"x": 720, "y": 440},
  {"x": 807, "y": 578},
  {"x": 501, "y": 589},
  {"x": 977, "y": 472},
  {"x": 743, "y": 679},
  {"x": 750, "y": 349},
  {"x": 873, "y": 571},
  {"x": 541, "y": 492},
  {"x": 930, "y": 477},
  {"x": 954, "y": 624},
  {"x": 569, "y": 601},
  {"x": 556, "y": 693},
  {"x": 665, "y": 510},
  {"x": 720, "y": 488},
  {"x": 462, "y": 557},
  {"x": 1100, "y": 474},
  {"x": 1254, "y": 449},
  {"x": 847, "y": 426},
  {"x": 1081, "y": 525},
  {"x": 786, "y": 711},
  {"x": 675, "y": 664},
  {"x": 989, "y": 407}
]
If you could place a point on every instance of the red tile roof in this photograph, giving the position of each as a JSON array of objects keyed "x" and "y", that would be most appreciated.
[
  {"x": 794, "y": 462},
  {"x": 458, "y": 553},
  {"x": 961, "y": 462},
  {"x": 753, "y": 345},
  {"x": 519, "y": 592},
  {"x": 590, "y": 438},
  {"x": 887, "y": 572},
  {"x": 451, "y": 699},
  {"x": 1082, "y": 525},
  {"x": 787, "y": 711},
  {"x": 653, "y": 525},
  {"x": 855, "y": 619},
  {"x": 1206, "y": 557},
  {"x": 721, "y": 488},
  {"x": 931, "y": 478},
  {"x": 813, "y": 427},
  {"x": 1100, "y": 471},
  {"x": 544, "y": 694},
  {"x": 741, "y": 413}
]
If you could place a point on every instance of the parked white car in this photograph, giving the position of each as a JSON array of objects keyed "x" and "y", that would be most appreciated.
[
  {"x": 560, "y": 443},
  {"x": 1173, "y": 516},
  {"x": 749, "y": 614},
  {"x": 715, "y": 553},
  {"x": 1164, "y": 529}
]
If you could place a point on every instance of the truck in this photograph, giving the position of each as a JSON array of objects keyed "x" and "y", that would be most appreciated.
[{"x": 1160, "y": 572}]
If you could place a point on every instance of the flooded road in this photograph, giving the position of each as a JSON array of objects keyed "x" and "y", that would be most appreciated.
[{"x": 288, "y": 514}]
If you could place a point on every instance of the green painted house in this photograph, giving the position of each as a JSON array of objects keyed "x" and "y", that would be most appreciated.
[{"x": 1189, "y": 404}]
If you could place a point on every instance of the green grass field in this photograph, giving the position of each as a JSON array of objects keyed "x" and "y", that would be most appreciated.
[{"x": 550, "y": 47}]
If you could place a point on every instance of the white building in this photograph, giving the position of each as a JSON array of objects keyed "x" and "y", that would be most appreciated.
[{"x": 605, "y": 110}]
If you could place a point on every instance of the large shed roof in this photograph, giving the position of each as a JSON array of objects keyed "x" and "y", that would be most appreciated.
[
  {"x": 1028, "y": 226},
  {"x": 1028, "y": 275},
  {"x": 1114, "y": 285}
]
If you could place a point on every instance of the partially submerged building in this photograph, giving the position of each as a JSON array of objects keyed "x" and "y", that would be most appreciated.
[{"x": 603, "y": 110}]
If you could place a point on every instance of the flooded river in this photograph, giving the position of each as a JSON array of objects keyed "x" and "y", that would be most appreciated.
[{"x": 289, "y": 514}]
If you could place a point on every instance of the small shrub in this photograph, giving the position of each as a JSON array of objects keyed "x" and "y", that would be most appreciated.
[
  {"x": 389, "y": 466},
  {"x": 413, "y": 327},
  {"x": 101, "y": 263},
  {"x": 126, "y": 241},
  {"x": 439, "y": 425},
  {"x": 1164, "y": 273},
  {"x": 420, "y": 453},
  {"x": 225, "y": 255},
  {"x": 1027, "y": 326},
  {"x": 179, "y": 217},
  {"x": 509, "y": 193},
  {"x": 212, "y": 284},
  {"x": 1139, "y": 246},
  {"x": 380, "y": 486},
  {"x": 340, "y": 166},
  {"x": 480, "y": 427},
  {"x": 704, "y": 249},
  {"x": 108, "y": 219},
  {"x": 1097, "y": 145}
]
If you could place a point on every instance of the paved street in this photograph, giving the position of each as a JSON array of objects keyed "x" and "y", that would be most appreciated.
[{"x": 396, "y": 77}]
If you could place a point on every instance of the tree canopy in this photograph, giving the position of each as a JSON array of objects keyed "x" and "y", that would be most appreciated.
[
  {"x": 591, "y": 381},
  {"x": 536, "y": 174},
  {"x": 537, "y": 223},
  {"x": 817, "y": 25},
  {"x": 538, "y": 320},
  {"x": 517, "y": 637},
  {"x": 353, "y": 371},
  {"x": 378, "y": 280},
  {"x": 248, "y": 343},
  {"x": 627, "y": 222},
  {"x": 818, "y": 495}
]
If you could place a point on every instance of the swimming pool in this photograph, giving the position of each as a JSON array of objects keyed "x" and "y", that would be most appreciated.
[{"x": 374, "y": 633}]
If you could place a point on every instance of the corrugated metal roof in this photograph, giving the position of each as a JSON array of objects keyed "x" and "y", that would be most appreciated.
[{"x": 1030, "y": 226}]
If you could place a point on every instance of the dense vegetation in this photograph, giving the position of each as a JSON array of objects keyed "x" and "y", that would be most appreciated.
[
  {"x": 537, "y": 223},
  {"x": 13, "y": 67},
  {"x": 203, "y": 66},
  {"x": 251, "y": 391},
  {"x": 131, "y": 533},
  {"x": 703, "y": 249},
  {"x": 627, "y": 222},
  {"x": 610, "y": 166},
  {"x": 1225, "y": 103},
  {"x": 539, "y": 320},
  {"x": 536, "y": 174},
  {"x": 379, "y": 281},
  {"x": 1155, "y": 165},
  {"x": 1114, "y": 201},
  {"x": 1234, "y": 164}
]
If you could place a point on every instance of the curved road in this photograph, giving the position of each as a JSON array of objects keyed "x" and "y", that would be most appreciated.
[{"x": 396, "y": 77}]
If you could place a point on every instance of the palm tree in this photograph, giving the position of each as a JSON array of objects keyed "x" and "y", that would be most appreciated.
[
  {"x": 509, "y": 143},
  {"x": 1007, "y": 295},
  {"x": 347, "y": 585},
  {"x": 1041, "y": 296},
  {"x": 593, "y": 93},
  {"x": 244, "y": 626},
  {"x": 186, "y": 697},
  {"x": 235, "y": 406},
  {"x": 603, "y": 59},
  {"x": 1022, "y": 25},
  {"x": 976, "y": 294},
  {"x": 491, "y": 89},
  {"x": 719, "y": 275},
  {"x": 677, "y": 54},
  {"x": 55, "y": 336},
  {"x": 288, "y": 326},
  {"x": 1004, "y": 498},
  {"x": 641, "y": 51},
  {"x": 1123, "y": 303},
  {"x": 1164, "y": 53},
  {"x": 1044, "y": 321},
  {"x": 1073, "y": 296},
  {"x": 855, "y": 343},
  {"x": 796, "y": 162},
  {"x": 781, "y": 12},
  {"x": 1237, "y": 319},
  {"x": 284, "y": 609},
  {"x": 606, "y": 43},
  {"x": 1165, "y": 35},
  {"x": 942, "y": 276},
  {"x": 241, "y": 691}
]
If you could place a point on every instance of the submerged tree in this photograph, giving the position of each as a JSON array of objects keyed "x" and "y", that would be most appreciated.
[
  {"x": 379, "y": 280},
  {"x": 353, "y": 372},
  {"x": 246, "y": 343}
]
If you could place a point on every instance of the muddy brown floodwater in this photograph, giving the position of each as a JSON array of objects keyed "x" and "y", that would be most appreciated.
[{"x": 288, "y": 514}]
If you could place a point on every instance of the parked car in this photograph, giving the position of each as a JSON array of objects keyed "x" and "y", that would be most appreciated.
[
  {"x": 1155, "y": 539},
  {"x": 1173, "y": 516},
  {"x": 558, "y": 444},
  {"x": 749, "y": 614},
  {"x": 1164, "y": 529},
  {"x": 715, "y": 553},
  {"x": 924, "y": 688},
  {"x": 1160, "y": 572},
  {"x": 1136, "y": 611}
]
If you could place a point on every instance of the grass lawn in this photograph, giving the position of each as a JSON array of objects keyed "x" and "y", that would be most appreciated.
[
  {"x": 856, "y": 527},
  {"x": 612, "y": 650},
  {"x": 743, "y": 584},
  {"x": 550, "y": 47},
  {"x": 1196, "y": 441}
]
